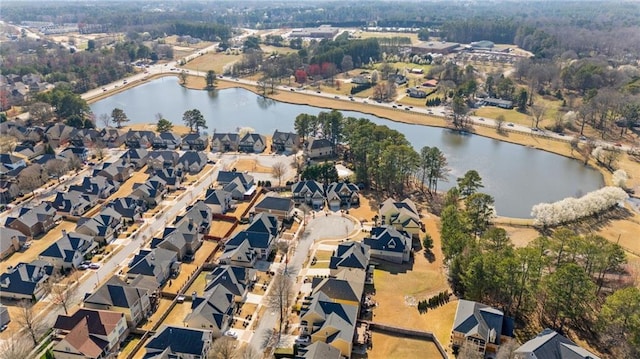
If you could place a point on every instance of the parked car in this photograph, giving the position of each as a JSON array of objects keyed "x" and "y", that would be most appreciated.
[
  {"x": 302, "y": 340},
  {"x": 83, "y": 267},
  {"x": 94, "y": 265},
  {"x": 231, "y": 333},
  {"x": 180, "y": 299}
]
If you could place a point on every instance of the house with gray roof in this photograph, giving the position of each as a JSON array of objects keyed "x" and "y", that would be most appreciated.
[
  {"x": 236, "y": 279},
  {"x": 29, "y": 150},
  {"x": 194, "y": 142},
  {"x": 480, "y": 326},
  {"x": 167, "y": 141},
  {"x": 129, "y": 208},
  {"x": 26, "y": 281},
  {"x": 59, "y": 134},
  {"x": 112, "y": 137},
  {"x": 119, "y": 170},
  {"x": 5, "y": 317},
  {"x": 240, "y": 185},
  {"x": 73, "y": 203},
  {"x": 402, "y": 215},
  {"x": 69, "y": 251},
  {"x": 9, "y": 190},
  {"x": 219, "y": 201},
  {"x": 104, "y": 227},
  {"x": 81, "y": 153},
  {"x": 349, "y": 255},
  {"x": 330, "y": 322},
  {"x": 198, "y": 214},
  {"x": 156, "y": 264},
  {"x": 342, "y": 194},
  {"x": 98, "y": 186},
  {"x": 139, "y": 139},
  {"x": 287, "y": 142},
  {"x": 318, "y": 148},
  {"x": 192, "y": 161},
  {"x": 390, "y": 244},
  {"x": 184, "y": 239},
  {"x": 179, "y": 342},
  {"x": 252, "y": 143},
  {"x": 319, "y": 350},
  {"x": 341, "y": 288},
  {"x": 213, "y": 311},
  {"x": 550, "y": 344},
  {"x": 86, "y": 137},
  {"x": 253, "y": 243},
  {"x": 225, "y": 142},
  {"x": 119, "y": 296},
  {"x": 12, "y": 162},
  {"x": 171, "y": 176},
  {"x": 309, "y": 192},
  {"x": 136, "y": 156},
  {"x": 34, "y": 221},
  {"x": 152, "y": 192},
  {"x": 280, "y": 207},
  {"x": 11, "y": 241},
  {"x": 158, "y": 160}
]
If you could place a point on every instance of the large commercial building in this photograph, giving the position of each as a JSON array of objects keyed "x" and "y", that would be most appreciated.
[
  {"x": 322, "y": 32},
  {"x": 434, "y": 47}
]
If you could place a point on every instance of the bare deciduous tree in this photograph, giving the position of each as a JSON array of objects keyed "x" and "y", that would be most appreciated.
[
  {"x": 74, "y": 163},
  {"x": 507, "y": 349},
  {"x": 56, "y": 167},
  {"x": 279, "y": 169},
  {"x": 500, "y": 123},
  {"x": 537, "y": 111},
  {"x": 28, "y": 320},
  {"x": 31, "y": 178},
  {"x": 63, "y": 294},
  {"x": 280, "y": 297},
  {"x": 223, "y": 348},
  {"x": 14, "y": 348},
  {"x": 105, "y": 120},
  {"x": 98, "y": 149},
  {"x": 249, "y": 352}
]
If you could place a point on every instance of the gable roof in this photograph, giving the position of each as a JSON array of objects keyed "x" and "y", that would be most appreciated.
[
  {"x": 235, "y": 279},
  {"x": 404, "y": 208},
  {"x": 7, "y": 235},
  {"x": 193, "y": 157},
  {"x": 214, "y": 308},
  {"x": 321, "y": 350},
  {"x": 318, "y": 143},
  {"x": 225, "y": 177},
  {"x": 179, "y": 340},
  {"x": 284, "y": 137},
  {"x": 100, "y": 223},
  {"x": 66, "y": 201},
  {"x": 150, "y": 262},
  {"x": 126, "y": 206},
  {"x": 387, "y": 238},
  {"x": 549, "y": 344},
  {"x": 250, "y": 139},
  {"x": 66, "y": 247},
  {"x": 350, "y": 254},
  {"x": 260, "y": 240},
  {"x": 226, "y": 137},
  {"x": 216, "y": 196},
  {"x": 194, "y": 137},
  {"x": 480, "y": 320},
  {"x": 116, "y": 293},
  {"x": 31, "y": 216},
  {"x": 99, "y": 322},
  {"x": 303, "y": 187},
  {"x": 337, "y": 289},
  {"x": 24, "y": 277},
  {"x": 275, "y": 203},
  {"x": 264, "y": 223}
]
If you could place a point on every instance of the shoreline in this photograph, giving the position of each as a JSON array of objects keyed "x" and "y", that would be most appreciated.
[{"x": 557, "y": 147}]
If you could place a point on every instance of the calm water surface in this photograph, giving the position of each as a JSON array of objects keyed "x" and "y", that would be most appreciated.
[{"x": 517, "y": 176}]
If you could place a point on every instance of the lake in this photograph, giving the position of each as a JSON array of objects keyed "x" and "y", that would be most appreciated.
[{"x": 518, "y": 177}]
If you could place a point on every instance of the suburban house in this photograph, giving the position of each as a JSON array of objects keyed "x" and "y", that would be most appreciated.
[
  {"x": 212, "y": 312},
  {"x": 329, "y": 322},
  {"x": 481, "y": 326},
  {"x": 34, "y": 221},
  {"x": 389, "y": 244},
  {"x": 29, "y": 150},
  {"x": 119, "y": 296},
  {"x": 278, "y": 206},
  {"x": 184, "y": 239},
  {"x": 112, "y": 137},
  {"x": 318, "y": 148},
  {"x": 179, "y": 342},
  {"x": 139, "y": 139},
  {"x": 349, "y": 255},
  {"x": 198, "y": 214},
  {"x": 12, "y": 162},
  {"x": 129, "y": 208},
  {"x": 98, "y": 186},
  {"x": 157, "y": 160},
  {"x": 252, "y": 143},
  {"x": 319, "y": 350},
  {"x": 192, "y": 161},
  {"x": 119, "y": 170},
  {"x": 342, "y": 194},
  {"x": 25, "y": 281},
  {"x": 360, "y": 80},
  {"x": 194, "y": 142},
  {"x": 345, "y": 288},
  {"x": 104, "y": 227},
  {"x": 73, "y": 203},
  {"x": 151, "y": 192},
  {"x": 308, "y": 192},
  {"x": 156, "y": 264},
  {"x": 69, "y": 251},
  {"x": 171, "y": 177},
  {"x": 167, "y": 141},
  {"x": 288, "y": 142},
  {"x": 9, "y": 190},
  {"x": 242, "y": 254},
  {"x": 81, "y": 153},
  {"x": 401, "y": 215},
  {"x": 430, "y": 83},
  {"x": 11, "y": 241},
  {"x": 136, "y": 156},
  {"x": 236, "y": 279},
  {"x": 551, "y": 344},
  {"x": 89, "y": 333},
  {"x": 256, "y": 242},
  {"x": 399, "y": 79},
  {"x": 218, "y": 200},
  {"x": 59, "y": 134},
  {"x": 225, "y": 142},
  {"x": 85, "y": 137},
  {"x": 416, "y": 93},
  {"x": 240, "y": 185}
]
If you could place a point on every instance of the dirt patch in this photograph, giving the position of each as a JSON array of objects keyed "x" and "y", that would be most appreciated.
[
  {"x": 179, "y": 129},
  {"x": 250, "y": 165},
  {"x": 521, "y": 236}
]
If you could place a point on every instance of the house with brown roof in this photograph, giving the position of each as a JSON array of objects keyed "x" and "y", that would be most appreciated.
[{"x": 89, "y": 333}]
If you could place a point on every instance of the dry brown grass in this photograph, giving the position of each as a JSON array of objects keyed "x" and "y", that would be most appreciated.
[
  {"x": 174, "y": 285},
  {"x": 250, "y": 165},
  {"x": 178, "y": 313},
  {"x": 370, "y": 34},
  {"x": 390, "y": 346},
  {"x": 198, "y": 284},
  {"x": 179, "y": 129},
  {"x": 220, "y": 228},
  {"x": 163, "y": 306},
  {"x": 38, "y": 245},
  {"x": 212, "y": 61}
]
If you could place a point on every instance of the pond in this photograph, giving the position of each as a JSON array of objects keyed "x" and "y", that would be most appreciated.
[{"x": 518, "y": 177}]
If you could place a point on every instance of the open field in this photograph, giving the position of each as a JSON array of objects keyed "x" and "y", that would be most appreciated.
[
  {"x": 268, "y": 49},
  {"x": 212, "y": 61},
  {"x": 251, "y": 165},
  {"x": 390, "y": 346}
]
